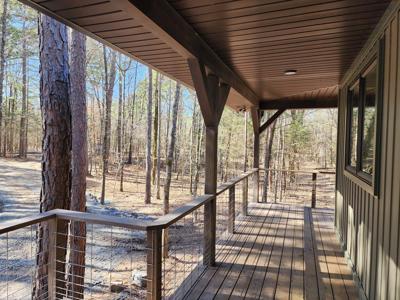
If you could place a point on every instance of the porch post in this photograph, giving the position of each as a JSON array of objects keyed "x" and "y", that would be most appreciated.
[
  {"x": 255, "y": 116},
  {"x": 210, "y": 209},
  {"x": 212, "y": 95}
]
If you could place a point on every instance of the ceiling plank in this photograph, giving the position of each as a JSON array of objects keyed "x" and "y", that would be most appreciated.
[
  {"x": 299, "y": 104},
  {"x": 165, "y": 22}
]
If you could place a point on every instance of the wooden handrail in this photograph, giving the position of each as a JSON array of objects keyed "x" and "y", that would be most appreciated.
[
  {"x": 226, "y": 185},
  {"x": 91, "y": 218},
  {"x": 300, "y": 171},
  {"x": 16, "y": 224},
  {"x": 180, "y": 212},
  {"x": 160, "y": 223}
]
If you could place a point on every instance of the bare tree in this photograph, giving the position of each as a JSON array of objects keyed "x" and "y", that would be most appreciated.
[
  {"x": 171, "y": 147},
  {"x": 269, "y": 138},
  {"x": 155, "y": 131},
  {"x": 147, "y": 198},
  {"x": 23, "y": 136},
  {"x": 2, "y": 59},
  {"x": 132, "y": 116},
  {"x": 56, "y": 157},
  {"x": 109, "y": 89},
  {"x": 76, "y": 272},
  {"x": 159, "y": 142}
]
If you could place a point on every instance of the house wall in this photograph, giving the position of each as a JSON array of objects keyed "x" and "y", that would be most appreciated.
[{"x": 368, "y": 223}]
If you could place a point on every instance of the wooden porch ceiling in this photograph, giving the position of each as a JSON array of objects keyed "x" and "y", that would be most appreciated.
[{"x": 247, "y": 43}]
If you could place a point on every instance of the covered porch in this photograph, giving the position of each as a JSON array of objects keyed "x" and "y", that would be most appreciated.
[{"x": 266, "y": 55}]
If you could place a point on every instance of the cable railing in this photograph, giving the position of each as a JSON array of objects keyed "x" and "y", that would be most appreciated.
[
  {"x": 297, "y": 186},
  {"x": 64, "y": 254}
]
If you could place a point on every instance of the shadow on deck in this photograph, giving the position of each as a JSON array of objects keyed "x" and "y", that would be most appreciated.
[{"x": 279, "y": 251}]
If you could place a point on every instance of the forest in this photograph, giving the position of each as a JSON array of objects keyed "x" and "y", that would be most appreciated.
[{"x": 135, "y": 118}]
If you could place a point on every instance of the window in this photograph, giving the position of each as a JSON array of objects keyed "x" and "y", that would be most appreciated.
[{"x": 362, "y": 118}]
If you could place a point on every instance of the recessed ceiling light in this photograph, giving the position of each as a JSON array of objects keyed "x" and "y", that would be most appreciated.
[{"x": 290, "y": 72}]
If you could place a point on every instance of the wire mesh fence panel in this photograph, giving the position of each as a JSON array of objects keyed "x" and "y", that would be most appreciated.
[
  {"x": 222, "y": 218},
  {"x": 182, "y": 251},
  {"x": 296, "y": 187},
  {"x": 95, "y": 262},
  {"x": 112, "y": 264},
  {"x": 18, "y": 263}
]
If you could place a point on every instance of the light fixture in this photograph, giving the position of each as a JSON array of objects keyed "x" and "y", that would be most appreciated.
[{"x": 290, "y": 72}]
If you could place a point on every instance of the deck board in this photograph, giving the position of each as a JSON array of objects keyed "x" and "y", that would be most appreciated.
[{"x": 279, "y": 251}]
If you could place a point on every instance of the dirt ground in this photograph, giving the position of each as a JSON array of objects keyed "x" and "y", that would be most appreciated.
[{"x": 20, "y": 183}]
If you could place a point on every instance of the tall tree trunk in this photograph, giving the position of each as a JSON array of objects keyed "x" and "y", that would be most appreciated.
[
  {"x": 12, "y": 122},
  {"x": 171, "y": 147},
  {"x": 2, "y": 60},
  {"x": 120, "y": 120},
  {"x": 109, "y": 89},
  {"x": 132, "y": 110},
  {"x": 155, "y": 131},
  {"x": 269, "y": 139},
  {"x": 23, "y": 143},
  {"x": 77, "y": 241},
  {"x": 192, "y": 146},
  {"x": 159, "y": 141},
  {"x": 225, "y": 169},
  {"x": 168, "y": 118},
  {"x": 147, "y": 198},
  {"x": 56, "y": 157},
  {"x": 199, "y": 155}
]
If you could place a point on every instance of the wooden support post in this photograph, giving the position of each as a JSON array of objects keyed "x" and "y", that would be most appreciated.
[
  {"x": 255, "y": 116},
  {"x": 154, "y": 263},
  {"x": 210, "y": 209},
  {"x": 212, "y": 95},
  {"x": 314, "y": 190},
  {"x": 231, "y": 225}
]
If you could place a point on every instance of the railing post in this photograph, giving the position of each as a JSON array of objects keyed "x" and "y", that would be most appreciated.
[
  {"x": 245, "y": 192},
  {"x": 154, "y": 261},
  {"x": 51, "y": 271},
  {"x": 231, "y": 225},
  {"x": 256, "y": 186},
  {"x": 314, "y": 190}
]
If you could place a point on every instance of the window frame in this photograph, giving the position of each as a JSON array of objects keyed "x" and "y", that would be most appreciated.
[{"x": 377, "y": 61}]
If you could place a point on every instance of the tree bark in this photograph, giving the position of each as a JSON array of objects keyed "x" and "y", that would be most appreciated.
[
  {"x": 159, "y": 142},
  {"x": 2, "y": 60},
  {"x": 147, "y": 198},
  {"x": 155, "y": 131},
  {"x": 23, "y": 143},
  {"x": 120, "y": 120},
  {"x": 77, "y": 236},
  {"x": 171, "y": 147},
  {"x": 56, "y": 144},
  {"x": 109, "y": 84},
  {"x": 269, "y": 139},
  {"x": 132, "y": 110}
]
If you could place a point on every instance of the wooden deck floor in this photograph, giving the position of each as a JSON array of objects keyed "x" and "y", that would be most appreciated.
[{"x": 279, "y": 252}]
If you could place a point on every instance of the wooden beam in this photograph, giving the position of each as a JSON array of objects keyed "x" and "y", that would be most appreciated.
[
  {"x": 212, "y": 94},
  {"x": 271, "y": 120},
  {"x": 299, "y": 104},
  {"x": 159, "y": 17},
  {"x": 255, "y": 116}
]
